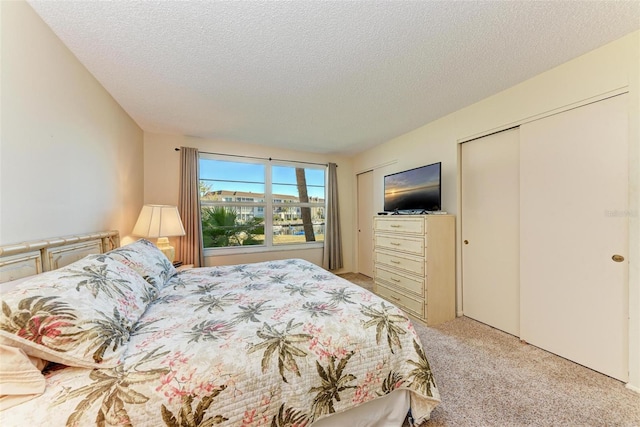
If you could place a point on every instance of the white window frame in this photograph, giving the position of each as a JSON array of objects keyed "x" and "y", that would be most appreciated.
[{"x": 268, "y": 206}]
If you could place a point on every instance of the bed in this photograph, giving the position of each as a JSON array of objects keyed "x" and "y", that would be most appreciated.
[{"x": 126, "y": 339}]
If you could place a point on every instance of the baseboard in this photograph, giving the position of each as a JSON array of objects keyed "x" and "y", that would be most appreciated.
[
  {"x": 633, "y": 388},
  {"x": 459, "y": 313}
]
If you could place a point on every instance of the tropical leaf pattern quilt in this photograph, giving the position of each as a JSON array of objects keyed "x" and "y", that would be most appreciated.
[{"x": 280, "y": 343}]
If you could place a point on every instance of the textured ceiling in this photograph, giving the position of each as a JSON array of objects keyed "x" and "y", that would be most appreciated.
[{"x": 321, "y": 76}]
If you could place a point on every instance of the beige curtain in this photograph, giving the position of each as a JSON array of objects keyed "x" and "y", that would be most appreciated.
[
  {"x": 190, "y": 251},
  {"x": 332, "y": 256}
]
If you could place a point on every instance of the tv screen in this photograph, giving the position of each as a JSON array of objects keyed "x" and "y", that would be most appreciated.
[{"x": 413, "y": 190}]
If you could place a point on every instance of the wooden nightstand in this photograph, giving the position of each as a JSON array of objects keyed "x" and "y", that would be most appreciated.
[{"x": 184, "y": 267}]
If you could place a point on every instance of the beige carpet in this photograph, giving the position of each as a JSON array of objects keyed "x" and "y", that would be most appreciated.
[{"x": 489, "y": 378}]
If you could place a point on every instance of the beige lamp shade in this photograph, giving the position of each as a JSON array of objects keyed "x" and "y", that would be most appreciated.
[{"x": 160, "y": 221}]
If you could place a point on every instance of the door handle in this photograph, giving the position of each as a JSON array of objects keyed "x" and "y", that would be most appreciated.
[
  {"x": 466, "y": 242},
  {"x": 617, "y": 258}
]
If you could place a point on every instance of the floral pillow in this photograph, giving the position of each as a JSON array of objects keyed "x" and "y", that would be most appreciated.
[
  {"x": 80, "y": 315},
  {"x": 145, "y": 258}
]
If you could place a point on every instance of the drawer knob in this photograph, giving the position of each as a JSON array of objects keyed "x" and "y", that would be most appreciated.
[
  {"x": 395, "y": 225},
  {"x": 395, "y": 244},
  {"x": 393, "y": 279},
  {"x": 394, "y": 261}
]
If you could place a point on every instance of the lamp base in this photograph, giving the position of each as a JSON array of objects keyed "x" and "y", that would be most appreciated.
[{"x": 168, "y": 250}]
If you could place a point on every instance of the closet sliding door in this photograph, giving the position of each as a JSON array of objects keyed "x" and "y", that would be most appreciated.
[
  {"x": 490, "y": 230},
  {"x": 573, "y": 235}
]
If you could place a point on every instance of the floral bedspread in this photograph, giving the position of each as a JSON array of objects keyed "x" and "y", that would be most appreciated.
[{"x": 268, "y": 344}]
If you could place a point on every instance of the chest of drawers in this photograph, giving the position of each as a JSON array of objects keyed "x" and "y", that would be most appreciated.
[{"x": 414, "y": 264}]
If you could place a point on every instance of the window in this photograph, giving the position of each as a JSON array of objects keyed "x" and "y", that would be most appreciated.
[{"x": 236, "y": 197}]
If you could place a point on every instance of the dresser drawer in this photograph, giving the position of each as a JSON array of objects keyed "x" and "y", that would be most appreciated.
[
  {"x": 406, "y": 262},
  {"x": 401, "y": 282},
  {"x": 410, "y": 245},
  {"x": 414, "y": 306},
  {"x": 404, "y": 225}
]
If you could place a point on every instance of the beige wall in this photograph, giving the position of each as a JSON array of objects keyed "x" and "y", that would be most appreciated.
[
  {"x": 162, "y": 170},
  {"x": 610, "y": 69},
  {"x": 70, "y": 156}
]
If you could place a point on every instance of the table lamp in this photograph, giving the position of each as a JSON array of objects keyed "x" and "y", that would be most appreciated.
[{"x": 161, "y": 222}]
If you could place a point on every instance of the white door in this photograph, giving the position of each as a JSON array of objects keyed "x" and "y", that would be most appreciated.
[
  {"x": 365, "y": 223},
  {"x": 574, "y": 207},
  {"x": 490, "y": 230}
]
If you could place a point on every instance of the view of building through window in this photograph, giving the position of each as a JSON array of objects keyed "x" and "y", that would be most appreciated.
[{"x": 259, "y": 203}]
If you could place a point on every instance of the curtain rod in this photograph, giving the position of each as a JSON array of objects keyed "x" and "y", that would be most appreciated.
[{"x": 260, "y": 158}]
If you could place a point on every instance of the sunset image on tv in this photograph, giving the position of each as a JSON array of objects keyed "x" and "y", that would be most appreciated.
[{"x": 415, "y": 189}]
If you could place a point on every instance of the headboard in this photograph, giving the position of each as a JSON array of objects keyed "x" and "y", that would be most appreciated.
[{"x": 34, "y": 257}]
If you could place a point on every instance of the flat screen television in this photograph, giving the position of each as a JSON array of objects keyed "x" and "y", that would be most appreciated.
[{"x": 413, "y": 190}]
